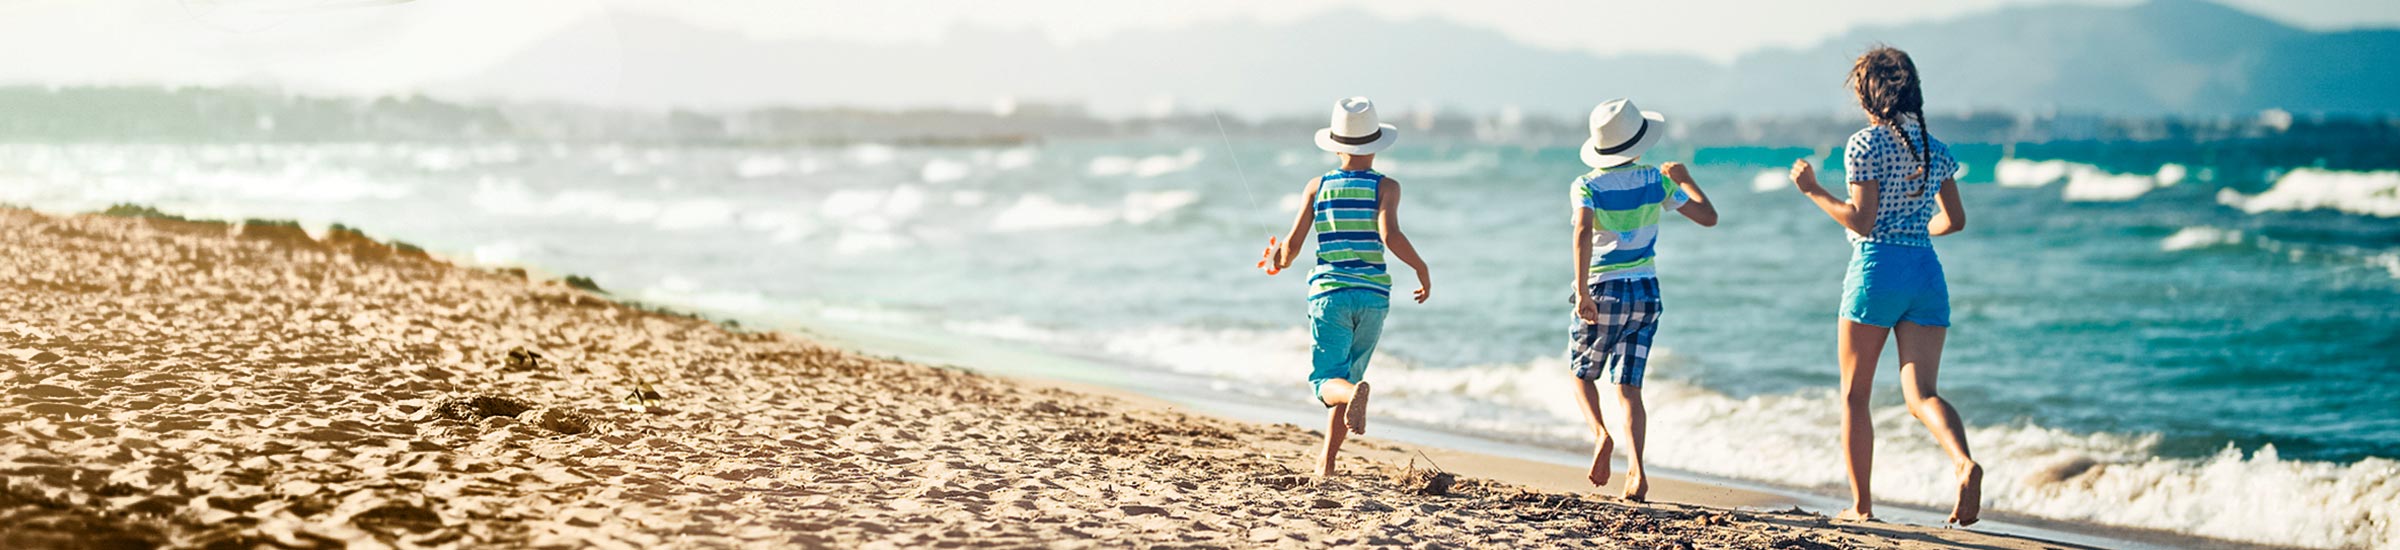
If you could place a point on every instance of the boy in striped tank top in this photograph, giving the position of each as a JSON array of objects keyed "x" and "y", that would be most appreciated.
[
  {"x": 1617, "y": 207},
  {"x": 1355, "y": 212}
]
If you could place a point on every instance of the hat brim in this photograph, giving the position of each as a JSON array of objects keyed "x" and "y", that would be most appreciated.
[
  {"x": 1591, "y": 147},
  {"x": 1390, "y": 133}
]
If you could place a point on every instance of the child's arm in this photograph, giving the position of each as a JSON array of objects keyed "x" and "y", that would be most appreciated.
[
  {"x": 1387, "y": 223},
  {"x": 1585, "y": 308},
  {"x": 1953, "y": 215},
  {"x": 1858, "y": 214},
  {"x": 1697, "y": 206},
  {"x": 1290, "y": 247}
]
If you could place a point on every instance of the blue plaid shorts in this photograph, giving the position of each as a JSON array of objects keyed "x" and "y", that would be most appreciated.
[{"x": 1617, "y": 349}]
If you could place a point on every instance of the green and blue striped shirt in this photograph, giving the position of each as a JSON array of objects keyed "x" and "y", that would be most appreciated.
[
  {"x": 1349, "y": 247},
  {"x": 1625, "y": 203}
]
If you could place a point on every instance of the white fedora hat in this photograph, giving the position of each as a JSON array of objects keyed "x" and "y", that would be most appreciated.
[
  {"x": 1355, "y": 129},
  {"x": 1620, "y": 132}
]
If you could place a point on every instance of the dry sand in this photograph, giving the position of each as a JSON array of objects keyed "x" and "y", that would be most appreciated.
[{"x": 210, "y": 385}]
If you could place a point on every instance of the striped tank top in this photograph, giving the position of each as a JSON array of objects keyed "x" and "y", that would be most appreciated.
[{"x": 1349, "y": 249}]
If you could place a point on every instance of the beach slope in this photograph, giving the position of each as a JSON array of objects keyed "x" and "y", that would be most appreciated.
[{"x": 191, "y": 384}]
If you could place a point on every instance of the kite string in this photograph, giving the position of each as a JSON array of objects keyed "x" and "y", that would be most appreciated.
[
  {"x": 1269, "y": 257},
  {"x": 1237, "y": 163}
]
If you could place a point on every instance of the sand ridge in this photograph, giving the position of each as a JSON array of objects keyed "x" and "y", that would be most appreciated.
[{"x": 195, "y": 384}]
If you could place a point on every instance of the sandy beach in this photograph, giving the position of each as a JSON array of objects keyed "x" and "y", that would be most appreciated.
[{"x": 203, "y": 384}]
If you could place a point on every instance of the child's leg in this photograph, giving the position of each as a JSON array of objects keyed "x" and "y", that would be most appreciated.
[
  {"x": 1628, "y": 361},
  {"x": 1637, "y": 481},
  {"x": 1335, "y": 432},
  {"x": 1920, "y": 362},
  {"x": 1605, "y": 445},
  {"x": 1587, "y": 347},
  {"x": 1329, "y": 356},
  {"x": 1337, "y": 364},
  {"x": 1366, "y": 330},
  {"x": 1861, "y": 343},
  {"x": 1335, "y": 392}
]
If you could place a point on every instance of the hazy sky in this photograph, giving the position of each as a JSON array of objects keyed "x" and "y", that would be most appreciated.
[{"x": 385, "y": 45}]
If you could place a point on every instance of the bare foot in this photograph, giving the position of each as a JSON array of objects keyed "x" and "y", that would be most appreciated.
[
  {"x": 1637, "y": 486},
  {"x": 1358, "y": 409},
  {"x": 1970, "y": 495},
  {"x": 1599, "y": 475},
  {"x": 1854, "y": 515}
]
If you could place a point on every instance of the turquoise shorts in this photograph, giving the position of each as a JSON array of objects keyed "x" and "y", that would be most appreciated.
[
  {"x": 1345, "y": 324},
  {"x": 1890, "y": 283}
]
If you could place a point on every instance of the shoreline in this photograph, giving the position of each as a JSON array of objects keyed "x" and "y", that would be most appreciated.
[
  {"x": 315, "y": 475},
  {"x": 1516, "y": 463}
]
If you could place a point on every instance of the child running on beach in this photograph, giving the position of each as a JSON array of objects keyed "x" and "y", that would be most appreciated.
[
  {"x": 1901, "y": 195},
  {"x": 1356, "y": 214},
  {"x": 1617, "y": 305}
]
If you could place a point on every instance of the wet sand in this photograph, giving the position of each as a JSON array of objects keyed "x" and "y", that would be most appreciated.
[{"x": 188, "y": 384}]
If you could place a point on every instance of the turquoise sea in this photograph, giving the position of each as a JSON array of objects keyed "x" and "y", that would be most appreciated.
[{"x": 2192, "y": 339}]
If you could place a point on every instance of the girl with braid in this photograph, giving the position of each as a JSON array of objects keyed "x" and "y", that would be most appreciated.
[{"x": 1901, "y": 194}]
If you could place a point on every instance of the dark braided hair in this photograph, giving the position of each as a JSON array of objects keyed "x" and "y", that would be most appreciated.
[{"x": 1885, "y": 81}]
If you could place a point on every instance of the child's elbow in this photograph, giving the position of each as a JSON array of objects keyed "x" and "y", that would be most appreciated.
[
  {"x": 1861, "y": 225},
  {"x": 1701, "y": 213}
]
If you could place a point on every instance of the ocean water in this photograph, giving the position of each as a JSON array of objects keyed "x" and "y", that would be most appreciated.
[{"x": 2149, "y": 337}]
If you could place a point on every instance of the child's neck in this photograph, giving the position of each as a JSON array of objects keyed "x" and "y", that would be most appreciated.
[{"x": 1358, "y": 163}]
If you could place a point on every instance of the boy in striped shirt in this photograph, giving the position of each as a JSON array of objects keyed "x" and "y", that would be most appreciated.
[
  {"x": 1355, "y": 212},
  {"x": 1617, "y": 207}
]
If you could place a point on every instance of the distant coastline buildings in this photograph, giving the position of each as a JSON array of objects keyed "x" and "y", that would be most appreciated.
[{"x": 242, "y": 114}]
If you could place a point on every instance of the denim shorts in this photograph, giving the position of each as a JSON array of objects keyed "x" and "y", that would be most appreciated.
[
  {"x": 1345, "y": 324},
  {"x": 1890, "y": 283},
  {"x": 1617, "y": 349}
]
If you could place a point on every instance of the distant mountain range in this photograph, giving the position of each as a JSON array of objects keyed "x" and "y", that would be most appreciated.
[{"x": 2185, "y": 57}]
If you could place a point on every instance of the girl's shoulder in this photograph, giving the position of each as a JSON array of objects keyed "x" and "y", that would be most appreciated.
[
  {"x": 1870, "y": 135},
  {"x": 1875, "y": 136}
]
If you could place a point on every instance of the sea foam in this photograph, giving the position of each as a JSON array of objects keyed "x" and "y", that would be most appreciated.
[
  {"x": 2198, "y": 237},
  {"x": 511, "y": 198},
  {"x": 873, "y": 207},
  {"x": 2026, "y": 173},
  {"x": 871, "y": 219},
  {"x": 1789, "y": 439},
  {"x": 2206, "y": 237},
  {"x": 761, "y": 166},
  {"x": 684, "y": 292},
  {"x": 1145, "y": 167},
  {"x": 701, "y": 213},
  {"x": 2096, "y": 186},
  {"x": 2084, "y": 182},
  {"x": 1145, "y": 206},
  {"x": 1010, "y": 159},
  {"x": 1467, "y": 164},
  {"x": 2170, "y": 174},
  {"x": 944, "y": 171},
  {"x": 2362, "y": 193},
  {"x": 1038, "y": 211},
  {"x": 1767, "y": 181},
  {"x": 870, "y": 154},
  {"x": 507, "y": 197}
]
